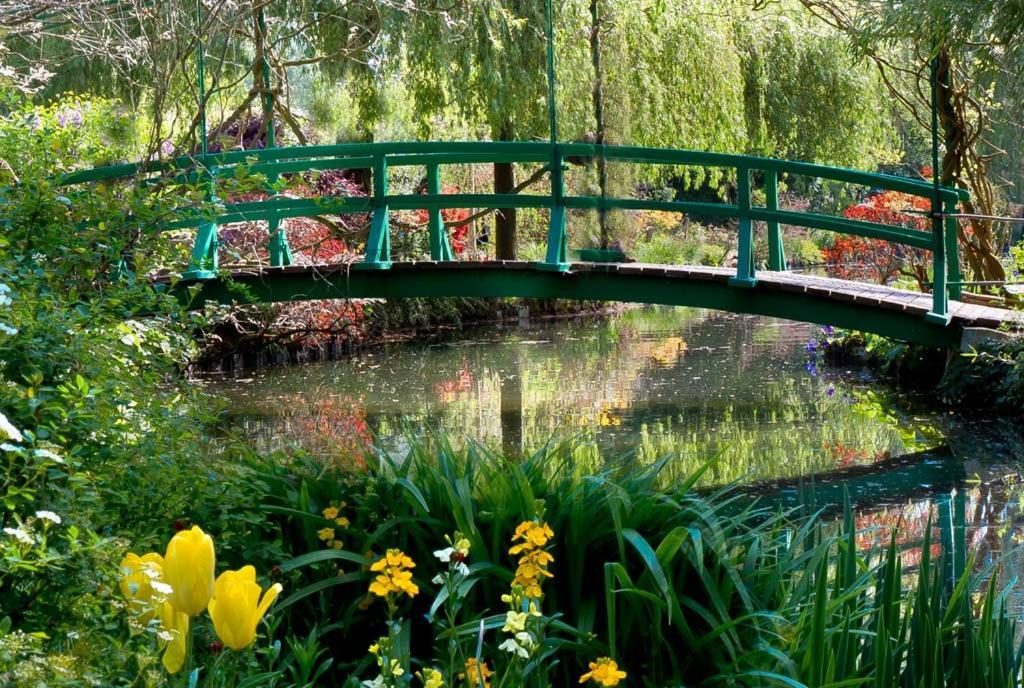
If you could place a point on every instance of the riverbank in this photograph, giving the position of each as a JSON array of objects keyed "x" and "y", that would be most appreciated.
[
  {"x": 246, "y": 338},
  {"x": 986, "y": 378}
]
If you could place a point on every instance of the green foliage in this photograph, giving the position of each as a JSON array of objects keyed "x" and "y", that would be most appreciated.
[{"x": 806, "y": 98}]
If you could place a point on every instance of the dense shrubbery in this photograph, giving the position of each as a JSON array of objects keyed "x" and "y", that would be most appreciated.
[{"x": 989, "y": 377}]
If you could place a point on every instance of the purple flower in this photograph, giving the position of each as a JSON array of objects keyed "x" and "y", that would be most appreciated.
[
  {"x": 828, "y": 330},
  {"x": 830, "y": 392},
  {"x": 812, "y": 346},
  {"x": 812, "y": 368},
  {"x": 167, "y": 148},
  {"x": 72, "y": 118}
]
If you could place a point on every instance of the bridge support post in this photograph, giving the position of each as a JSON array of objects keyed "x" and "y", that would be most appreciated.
[
  {"x": 440, "y": 246},
  {"x": 280, "y": 251},
  {"x": 939, "y": 313},
  {"x": 776, "y": 251},
  {"x": 745, "y": 257},
  {"x": 557, "y": 258},
  {"x": 378, "y": 246},
  {"x": 203, "y": 263}
]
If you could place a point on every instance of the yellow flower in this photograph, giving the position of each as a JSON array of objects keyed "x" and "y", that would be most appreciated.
[
  {"x": 394, "y": 575},
  {"x": 604, "y": 672},
  {"x": 331, "y": 513},
  {"x": 138, "y": 575},
  {"x": 342, "y": 522},
  {"x": 236, "y": 607},
  {"x": 325, "y": 533},
  {"x": 533, "y": 565},
  {"x": 175, "y": 624},
  {"x": 534, "y": 535},
  {"x": 188, "y": 569},
  {"x": 432, "y": 678},
  {"x": 475, "y": 673}
]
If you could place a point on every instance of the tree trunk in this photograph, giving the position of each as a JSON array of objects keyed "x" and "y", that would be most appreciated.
[
  {"x": 505, "y": 218},
  {"x": 963, "y": 167}
]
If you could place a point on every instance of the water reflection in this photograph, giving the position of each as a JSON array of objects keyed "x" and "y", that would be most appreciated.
[
  {"x": 651, "y": 382},
  {"x": 648, "y": 382}
]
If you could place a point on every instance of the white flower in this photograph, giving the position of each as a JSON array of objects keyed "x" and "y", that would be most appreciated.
[
  {"x": 525, "y": 638},
  {"x": 461, "y": 568},
  {"x": 47, "y": 454},
  {"x": 375, "y": 683},
  {"x": 12, "y": 432},
  {"x": 19, "y": 534},
  {"x": 445, "y": 554},
  {"x": 512, "y": 647},
  {"x": 48, "y": 516},
  {"x": 8, "y": 330}
]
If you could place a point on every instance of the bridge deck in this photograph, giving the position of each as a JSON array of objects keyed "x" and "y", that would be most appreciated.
[{"x": 885, "y": 310}]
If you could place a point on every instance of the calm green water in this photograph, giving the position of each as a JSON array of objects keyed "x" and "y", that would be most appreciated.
[{"x": 656, "y": 381}]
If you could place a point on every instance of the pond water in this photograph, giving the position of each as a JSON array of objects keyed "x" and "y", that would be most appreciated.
[{"x": 746, "y": 391}]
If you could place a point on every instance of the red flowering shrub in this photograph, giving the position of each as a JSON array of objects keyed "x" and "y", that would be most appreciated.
[
  {"x": 851, "y": 257},
  {"x": 456, "y": 232}
]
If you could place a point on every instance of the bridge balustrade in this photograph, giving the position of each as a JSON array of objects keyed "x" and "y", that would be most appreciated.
[{"x": 941, "y": 241}]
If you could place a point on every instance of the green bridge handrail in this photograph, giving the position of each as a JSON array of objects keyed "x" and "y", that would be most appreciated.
[{"x": 379, "y": 157}]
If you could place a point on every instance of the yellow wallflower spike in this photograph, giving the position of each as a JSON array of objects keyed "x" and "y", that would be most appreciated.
[
  {"x": 188, "y": 569},
  {"x": 236, "y": 607},
  {"x": 604, "y": 672},
  {"x": 393, "y": 575},
  {"x": 534, "y": 562},
  {"x": 476, "y": 675},
  {"x": 175, "y": 624},
  {"x": 138, "y": 576}
]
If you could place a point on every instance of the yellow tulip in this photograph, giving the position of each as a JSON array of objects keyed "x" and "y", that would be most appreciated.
[
  {"x": 140, "y": 576},
  {"x": 236, "y": 607},
  {"x": 188, "y": 569},
  {"x": 175, "y": 623}
]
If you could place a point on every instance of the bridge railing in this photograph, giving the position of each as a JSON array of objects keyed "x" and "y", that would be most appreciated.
[{"x": 941, "y": 240}]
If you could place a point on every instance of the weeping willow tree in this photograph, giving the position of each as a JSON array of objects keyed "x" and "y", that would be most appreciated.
[
  {"x": 485, "y": 63},
  {"x": 150, "y": 53},
  {"x": 972, "y": 46}
]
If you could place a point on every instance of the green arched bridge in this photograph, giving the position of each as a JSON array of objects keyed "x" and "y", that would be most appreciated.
[{"x": 936, "y": 319}]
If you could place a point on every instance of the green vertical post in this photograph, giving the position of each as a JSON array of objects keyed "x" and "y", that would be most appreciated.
[
  {"x": 203, "y": 261},
  {"x": 940, "y": 294},
  {"x": 378, "y": 246},
  {"x": 201, "y": 79},
  {"x": 440, "y": 246},
  {"x": 280, "y": 251},
  {"x": 552, "y": 103},
  {"x": 557, "y": 257},
  {"x": 953, "y": 249},
  {"x": 745, "y": 257},
  {"x": 776, "y": 251}
]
